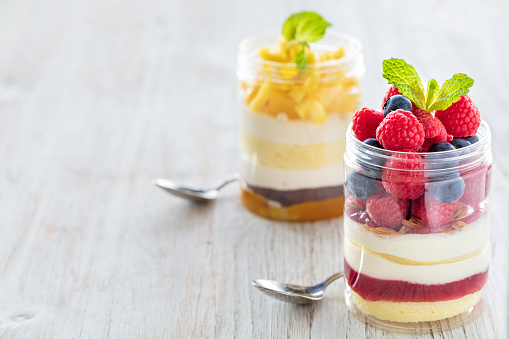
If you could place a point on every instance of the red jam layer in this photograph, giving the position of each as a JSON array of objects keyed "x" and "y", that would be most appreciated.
[{"x": 375, "y": 289}]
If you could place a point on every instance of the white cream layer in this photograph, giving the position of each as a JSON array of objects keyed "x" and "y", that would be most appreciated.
[
  {"x": 294, "y": 132},
  {"x": 423, "y": 247},
  {"x": 375, "y": 266},
  {"x": 284, "y": 179}
]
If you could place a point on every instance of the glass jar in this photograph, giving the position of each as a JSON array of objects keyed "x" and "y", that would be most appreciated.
[
  {"x": 416, "y": 229},
  {"x": 293, "y": 123}
]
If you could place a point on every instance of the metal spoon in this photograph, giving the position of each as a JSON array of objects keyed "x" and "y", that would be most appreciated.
[
  {"x": 198, "y": 194},
  {"x": 294, "y": 293}
]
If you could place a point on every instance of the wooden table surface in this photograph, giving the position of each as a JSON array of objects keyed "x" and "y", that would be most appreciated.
[{"x": 99, "y": 97}]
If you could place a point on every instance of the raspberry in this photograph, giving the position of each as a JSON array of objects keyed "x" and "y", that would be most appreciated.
[
  {"x": 434, "y": 130},
  {"x": 387, "y": 212},
  {"x": 393, "y": 91},
  {"x": 432, "y": 212},
  {"x": 400, "y": 130},
  {"x": 461, "y": 119},
  {"x": 475, "y": 186},
  {"x": 365, "y": 121},
  {"x": 403, "y": 176},
  {"x": 356, "y": 202},
  {"x": 488, "y": 181},
  {"x": 422, "y": 114}
]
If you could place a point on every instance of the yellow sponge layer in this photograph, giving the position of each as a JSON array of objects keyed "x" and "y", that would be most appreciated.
[
  {"x": 287, "y": 156},
  {"x": 407, "y": 312}
]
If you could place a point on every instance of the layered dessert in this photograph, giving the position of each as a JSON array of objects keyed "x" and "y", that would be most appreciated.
[
  {"x": 417, "y": 220},
  {"x": 296, "y": 101}
]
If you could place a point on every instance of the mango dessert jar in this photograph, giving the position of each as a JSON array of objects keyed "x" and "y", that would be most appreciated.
[{"x": 293, "y": 122}]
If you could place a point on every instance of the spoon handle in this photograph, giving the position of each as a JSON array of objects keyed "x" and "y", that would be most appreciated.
[
  {"x": 332, "y": 278},
  {"x": 225, "y": 181}
]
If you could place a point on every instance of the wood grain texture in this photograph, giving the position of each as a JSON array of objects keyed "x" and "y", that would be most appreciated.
[{"x": 99, "y": 97}]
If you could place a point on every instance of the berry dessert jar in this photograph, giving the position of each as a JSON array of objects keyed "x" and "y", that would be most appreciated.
[
  {"x": 293, "y": 122},
  {"x": 416, "y": 229}
]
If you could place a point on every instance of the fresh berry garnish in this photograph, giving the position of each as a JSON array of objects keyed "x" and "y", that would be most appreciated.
[
  {"x": 364, "y": 123},
  {"x": 360, "y": 204},
  {"x": 422, "y": 114},
  {"x": 434, "y": 130},
  {"x": 447, "y": 190},
  {"x": 394, "y": 91},
  {"x": 475, "y": 186},
  {"x": 460, "y": 143},
  {"x": 432, "y": 212},
  {"x": 461, "y": 119},
  {"x": 373, "y": 142},
  {"x": 396, "y": 102},
  {"x": 472, "y": 139},
  {"x": 403, "y": 176},
  {"x": 441, "y": 147},
  {"x": 387, "y": 212},
  {"x": 360, "y": 185},
  {"x": 488, "y": 182},
  {"x": 437, "y": 160},
  {"x": 373, "y": 163},
  {"x": 400, "y": 130}
]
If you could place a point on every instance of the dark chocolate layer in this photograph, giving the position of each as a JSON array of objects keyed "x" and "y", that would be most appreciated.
[{"x": 288, "y": 198}]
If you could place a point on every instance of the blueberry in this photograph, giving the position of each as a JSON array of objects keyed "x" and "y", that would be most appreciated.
[
  {"x": 373, "y": 142},
  {"x": 473, "y": 139},
  {"x": 360, "y": 185},
  {"x": 448, "y": 190},
  {"x": 371, "y": 164},
  {"x": 442, "y": 161},
  {"x": 395, "y": 102},
  {"x": 460, "y": 143},
  {"x": 441, "y": 147}
]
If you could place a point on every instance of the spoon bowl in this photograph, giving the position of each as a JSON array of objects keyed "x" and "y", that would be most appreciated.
[
  {"x": 195, "y": 193},
  {"x": 295, "y": 294}
]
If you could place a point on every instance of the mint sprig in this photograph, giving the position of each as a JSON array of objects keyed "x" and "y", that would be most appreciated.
[
  {"x": 304, "y": 28},
  {"x": 301, "y": 58},
  {"x": 451, "y": 91},
  {"x": 404, "y": 77}
]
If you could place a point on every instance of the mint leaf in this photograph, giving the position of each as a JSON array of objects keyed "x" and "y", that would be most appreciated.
[
  {"x": 290, "y": 26},
  {"x": 404, "y": 77},
  {"x": 305, "y": 27},
  {"x": 431, "y": 92},
  {"x": 452, "y": 90},
  {"x": 301, "y": 59}
]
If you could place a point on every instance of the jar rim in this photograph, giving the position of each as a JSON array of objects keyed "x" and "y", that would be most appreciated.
[
  {"x": 251, "y": 66},
  {"x": 355, "y": 49},
  {"x": 467, "y": 157}
]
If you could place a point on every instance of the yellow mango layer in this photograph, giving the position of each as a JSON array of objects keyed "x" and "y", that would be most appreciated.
[
  {"x": 308, "y": 94},
  {"x": 286, "y": 156},
  {"x": 306, "y": 211}
]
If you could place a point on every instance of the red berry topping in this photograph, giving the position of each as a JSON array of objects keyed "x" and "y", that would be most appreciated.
[
  {"x": 403, "y": 176},
  {"x": 475, "y": 186},
  {"x": 422, "y": 114},
  {"x": 365, "y": 121},
  {"x": 488, "y": 181},
  {"x": 393, "y": 91},
  {"x": 434, "y": 130},
  {"x": 461, "y": 119},
  {"x": 400, "y": 130},
  {"x": 356, "y": 202},
  {"x": 432, "y": 212},
  {"x": 387, "y": 212}
]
